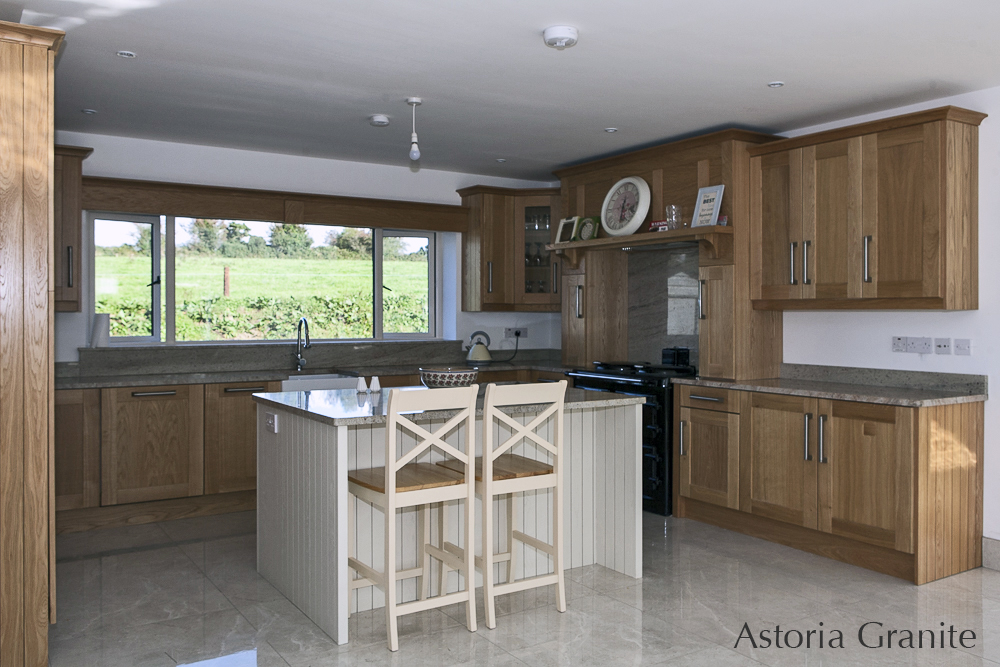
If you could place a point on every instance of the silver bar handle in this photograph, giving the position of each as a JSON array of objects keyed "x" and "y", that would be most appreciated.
[
  {"x": 822, "y": 422},
  {"x": 141, "y": 394},
  {"x": 555, "y": 277},
  {"x": 69, "y": 265},
  {"x": 805, "y": 263},
  {"x": 489, "y": 277},
  {"x": 805, "y": 437},
  {"x": 791, "y": 263},
  {"x": 867, "y": 275},
  {"x": 579, "y": 310},
  {"x": 681, "y": 443},
  {"x": 239, "y": 390},
  {"x": 701, "y": 301},
  {"x": 696, "y": 397}
]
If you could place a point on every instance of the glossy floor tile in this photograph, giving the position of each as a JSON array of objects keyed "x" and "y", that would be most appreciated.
[{"x": 187, "y": 593}]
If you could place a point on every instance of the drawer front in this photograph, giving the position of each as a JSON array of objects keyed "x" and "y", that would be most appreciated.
[{"x": 709, "y": 398}]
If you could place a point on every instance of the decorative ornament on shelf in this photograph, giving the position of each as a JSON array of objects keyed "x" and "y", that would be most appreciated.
[
  {"x": 706, "y": 209},
  {"x": 567, "y": 229},
  {"x": 625, "y": 206},
  {"x": 586, "y": 229}
]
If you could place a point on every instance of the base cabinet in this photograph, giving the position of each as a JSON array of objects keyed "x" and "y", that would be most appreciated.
[
  {"x": 152, "y": 443},
  {"x": 231, "y": 435},
  {"x": 895, "y": 489},
  {"x": 77, "y": 448}
]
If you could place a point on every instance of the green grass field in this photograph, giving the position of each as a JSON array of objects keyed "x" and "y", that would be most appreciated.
[{"x": 267, "y": 296}]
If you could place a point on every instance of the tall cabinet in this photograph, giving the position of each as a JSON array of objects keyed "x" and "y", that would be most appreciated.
[
  {"x": 27, "y": 56},
  {"x": 67, "y": 201}
]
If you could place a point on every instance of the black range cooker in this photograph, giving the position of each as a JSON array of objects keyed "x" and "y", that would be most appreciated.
[{"x": 653, "y": 383}]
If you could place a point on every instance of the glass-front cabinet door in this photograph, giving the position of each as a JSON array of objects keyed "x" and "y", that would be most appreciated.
[{"x": 537, "y": 270}]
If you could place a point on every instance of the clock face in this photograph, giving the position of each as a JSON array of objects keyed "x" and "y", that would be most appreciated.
[
  {"x": 587, "y": 230},
  {"x": 625, "y": 206},
  {"x": 622, "y": 206}
]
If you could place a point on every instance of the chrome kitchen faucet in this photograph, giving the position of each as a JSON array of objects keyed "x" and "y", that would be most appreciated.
[{"x": 301, "y": 361}]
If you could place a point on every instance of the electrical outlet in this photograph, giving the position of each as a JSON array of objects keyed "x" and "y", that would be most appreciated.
[
  {"x": 942, "y": 346},
  {"x": 963, "y": 347},
  {"x": 519, "y": 332},
  {"x": 899, "y": 343},
  {"x": 271, "y": 422},
  {"x": 919, "y": 345}
]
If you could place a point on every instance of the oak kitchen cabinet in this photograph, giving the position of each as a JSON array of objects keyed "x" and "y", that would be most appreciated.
[
  {"x": 893, "y": 488},
  {"x": 504, "y": 264},
  {"x": 152, "y": 443},
  {"x": 77, "y": 448},
  {"x": 594, "y": 314},
  {"x": 231, "y": 435},
  {"x": 67, "y": 199},
  {"x": 878, "y": 215},
  {"x": 716, "y": 315}
]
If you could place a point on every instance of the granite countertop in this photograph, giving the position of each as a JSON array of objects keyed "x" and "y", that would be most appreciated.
[
  {"x": 413, "y": 369},
  {"x": 346, "y": 407},
  {"x": 911, "y": 397}
]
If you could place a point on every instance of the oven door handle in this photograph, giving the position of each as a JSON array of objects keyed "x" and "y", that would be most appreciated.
[{"x": 598, "y": 376}]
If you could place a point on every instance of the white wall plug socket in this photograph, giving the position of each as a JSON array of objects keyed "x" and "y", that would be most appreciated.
[
  {"x": 963, "y": 346},
  {"x": 511, "y": 332},
  {"x": 899, "y": 343},
  {"x": 942, "y": 346},
  {"x": 919, "y": 345},
  {"x": 271, "y": 422}
]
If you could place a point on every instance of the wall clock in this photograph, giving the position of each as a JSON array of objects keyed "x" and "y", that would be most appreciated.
[{"x": 625, "y": 206}]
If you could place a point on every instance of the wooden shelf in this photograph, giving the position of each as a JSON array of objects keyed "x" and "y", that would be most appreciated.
[{"x": 716, "y": 242}]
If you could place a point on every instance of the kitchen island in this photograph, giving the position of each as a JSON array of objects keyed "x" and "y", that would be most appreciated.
[{"x": 307, "y": 441}]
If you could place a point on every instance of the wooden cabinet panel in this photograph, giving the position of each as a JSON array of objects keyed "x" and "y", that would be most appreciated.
[
  {"x": 231, "y": 435},
  {"x": 67, "y": 198},
  {"x": 776, "y": 219},
  {"x": 776, "y": 437},
  {"x": 710, "y": 456},
  {"x": 77, "y": 448},
  {"x": 716, "y": 349},
  {"x": 865, "y": 462},
  {"x": 498, "y": 249},
  {"x": 831, "y": 245},
  {"x": 152, "y": 443},
  {"x": 574, "y": 335}
]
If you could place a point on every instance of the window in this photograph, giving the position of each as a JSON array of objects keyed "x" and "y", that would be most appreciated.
[{"x": 229, "y": 280}]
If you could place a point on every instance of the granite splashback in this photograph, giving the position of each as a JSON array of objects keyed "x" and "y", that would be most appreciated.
[{"x": 663, "y": 302}]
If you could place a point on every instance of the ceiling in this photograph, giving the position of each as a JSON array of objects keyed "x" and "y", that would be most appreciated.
[{"x": 302, "y": 76}]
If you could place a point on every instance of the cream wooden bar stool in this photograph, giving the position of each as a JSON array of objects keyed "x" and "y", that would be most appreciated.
[
  {"x": 500, "y": 472},
  {"x": 405, "y": 482}
]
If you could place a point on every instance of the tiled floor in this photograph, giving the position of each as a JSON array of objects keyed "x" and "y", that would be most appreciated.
[{"x": 186, "y": 592}]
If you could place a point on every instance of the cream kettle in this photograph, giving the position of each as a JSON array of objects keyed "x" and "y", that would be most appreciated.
[{"x": 478, "y": 351}]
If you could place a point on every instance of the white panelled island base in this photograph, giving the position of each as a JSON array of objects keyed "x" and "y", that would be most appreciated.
[{"x": 307, "y": 441}]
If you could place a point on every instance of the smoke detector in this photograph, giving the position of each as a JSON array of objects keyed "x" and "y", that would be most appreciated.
[
  {"x": 378, "y": 120},
  {"x": 560, "y": 36}
]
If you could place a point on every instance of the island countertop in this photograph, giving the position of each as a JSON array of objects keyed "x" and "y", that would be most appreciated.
[{"x": 347, "y": 407}]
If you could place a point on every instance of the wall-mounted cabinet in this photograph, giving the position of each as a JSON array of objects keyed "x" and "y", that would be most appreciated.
[
  {"x": 506, "y": 266},
  {"x": 67, "y": 199},
  {"x": 879, "y": 215}
]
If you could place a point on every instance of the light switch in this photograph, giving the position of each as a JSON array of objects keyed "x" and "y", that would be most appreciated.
[
  {"x": 271, "y": 422},
  {"x": 899, "y": 343},
  {"x": 963, "y": 347}
]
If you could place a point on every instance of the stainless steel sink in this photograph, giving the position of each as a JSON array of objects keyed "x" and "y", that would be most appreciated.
[{"x": 312, "y": 382}]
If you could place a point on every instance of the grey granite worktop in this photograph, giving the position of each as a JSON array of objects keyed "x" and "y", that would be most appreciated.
[
  {"x": 914, "y": 389},
  {"x": 346, "y": 407}
]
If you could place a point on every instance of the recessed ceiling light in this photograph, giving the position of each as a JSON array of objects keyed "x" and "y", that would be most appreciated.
[
  {"x": 89, "y": 112},
  {"x": 378, "y": 120},
  {"x": 501, "y": 159},
  {"x": 126, "y": 54},
  {"x": 610, "y": 130},
  {"x": 776, "y": 84}
]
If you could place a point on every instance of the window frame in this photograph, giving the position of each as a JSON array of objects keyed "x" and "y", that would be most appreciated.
[{"x": 164, "y": 291}]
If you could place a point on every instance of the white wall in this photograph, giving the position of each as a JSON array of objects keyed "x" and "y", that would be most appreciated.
[
  {"x": 142, "y": 159},
  {"x": 863, "y": 338}
]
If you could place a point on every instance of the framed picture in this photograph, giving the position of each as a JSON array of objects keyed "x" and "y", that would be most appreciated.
[
  {"x": 706, "y": 209},
  {"x": 586, "y": 229},
  {"x": 567, "y": 229}
]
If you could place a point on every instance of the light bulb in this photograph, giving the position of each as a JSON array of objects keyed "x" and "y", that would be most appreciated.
[{"x": 414, "y": 149}]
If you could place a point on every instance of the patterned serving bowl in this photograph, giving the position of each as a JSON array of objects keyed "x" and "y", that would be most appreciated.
[{"x": 435, "y": 378}]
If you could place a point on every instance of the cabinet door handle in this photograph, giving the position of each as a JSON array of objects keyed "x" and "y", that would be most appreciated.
[
  {"x": 791, "y": 263},
  {"x": 822, "y": 422},
  {"x": 805, "y": 435},
  {"x": 867, "y": 275},
  {"x": 555, "y": 277},
  {"x": 238, "y": 390},
  {"x": 805, "y": 263},
  {"x": 489, "y": 277},
  {"x": 579, "y": 302},
  {"x": 141, "y": 394},
  {"x": 681, "y": 438},
  {"x": 69, "y": 266},
  {"x": 696, "y": 397},
  {"x": 701, "y": 302}
]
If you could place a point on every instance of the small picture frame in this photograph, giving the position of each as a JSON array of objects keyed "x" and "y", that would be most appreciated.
[
  {"x": 586, "y": 229},
  {"x": 567, "y": 229},
  {"x": 706, "y": 209}
]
